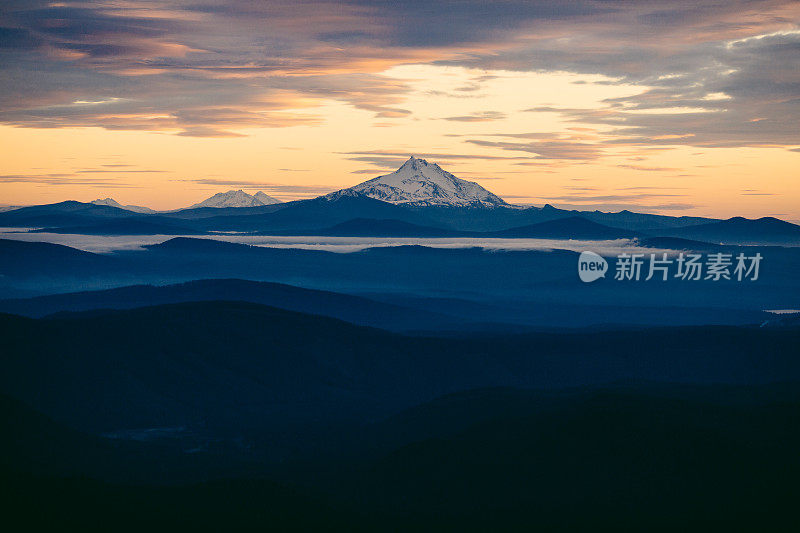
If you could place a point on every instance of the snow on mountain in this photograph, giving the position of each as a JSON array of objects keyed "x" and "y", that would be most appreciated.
[
  {"x": 420, "y": 183},
  {"x": 265, "y": 198},
  {"x": 113, "y": 203},
  {"x": 237, "y": 199}
]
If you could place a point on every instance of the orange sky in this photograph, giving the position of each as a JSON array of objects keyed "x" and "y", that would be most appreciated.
[{"x": 532, "y": 113}]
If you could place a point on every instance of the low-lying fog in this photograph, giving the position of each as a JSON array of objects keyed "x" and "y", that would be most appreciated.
[{"x": 111, "y": 243}]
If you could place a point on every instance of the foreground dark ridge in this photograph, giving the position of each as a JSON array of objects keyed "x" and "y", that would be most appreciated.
[
  {"x": 694, "y": 459},
  {"x": 238, "y": 416},
  {"x": 264, "y": 368}
]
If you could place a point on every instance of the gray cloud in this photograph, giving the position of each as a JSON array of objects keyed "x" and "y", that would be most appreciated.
[
  {"x": 405, "y": 154},
  {"x": 724, "y": 94},
  {"x": 386, "y": 162},
  {"x": 609, "y": 197},
  {"x": 205, "y": 68},
  {"x": 105, "y": 171},
  {"x": 482, "y": 116},
  {"x": 564, "y": 149},
  {"x": 619, "y": 206},
  {"x": 58, "y": 179}
]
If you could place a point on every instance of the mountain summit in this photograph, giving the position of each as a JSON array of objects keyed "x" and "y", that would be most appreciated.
[
  {"x": 113, "y": 203},
  {"x": 420, "y": 183},
  {"x": 237, "y": 199}
]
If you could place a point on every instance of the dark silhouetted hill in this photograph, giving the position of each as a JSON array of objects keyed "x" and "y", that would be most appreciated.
[
  {"x": 566, "y": 228},
  {"x": 342, "y": 306},
  {"x": 739, "y": 230},
  {"x": 366, "y": 227}
]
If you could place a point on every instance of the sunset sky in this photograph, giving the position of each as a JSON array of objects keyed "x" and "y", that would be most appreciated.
[{"x": 669, "y": 106}]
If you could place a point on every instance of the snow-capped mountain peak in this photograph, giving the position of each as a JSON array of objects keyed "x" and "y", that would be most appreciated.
[
  {"x": 113, "y": 203},
  {"x": 237, "y": 199},
  {"x": 420, "y": 183}
]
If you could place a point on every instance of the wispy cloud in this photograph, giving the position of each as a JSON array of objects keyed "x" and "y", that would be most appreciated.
[
  {"x": 714, "y": 74},
  {"x": 266, "y": 186},
  {"x": 57, "y": 179},
  {"x": 610, "y": 197},
  {"x": 438, "y": 156},
  {"x": 620, "y": 206},
  {"x": 643, "y": 168},
  {"x": 106, "y": 171},
  {"x": 547, "y": 149},
  {"x": 482, "y": 116}
]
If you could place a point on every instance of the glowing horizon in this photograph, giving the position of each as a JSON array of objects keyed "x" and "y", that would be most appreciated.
[{"x": 665, "y": 107}]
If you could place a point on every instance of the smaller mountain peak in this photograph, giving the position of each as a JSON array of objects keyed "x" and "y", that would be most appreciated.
[
  {"x": 231, "y": 198},
  {"x": 110, "y": 202},
  {"x": 105, "y": 201}
]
